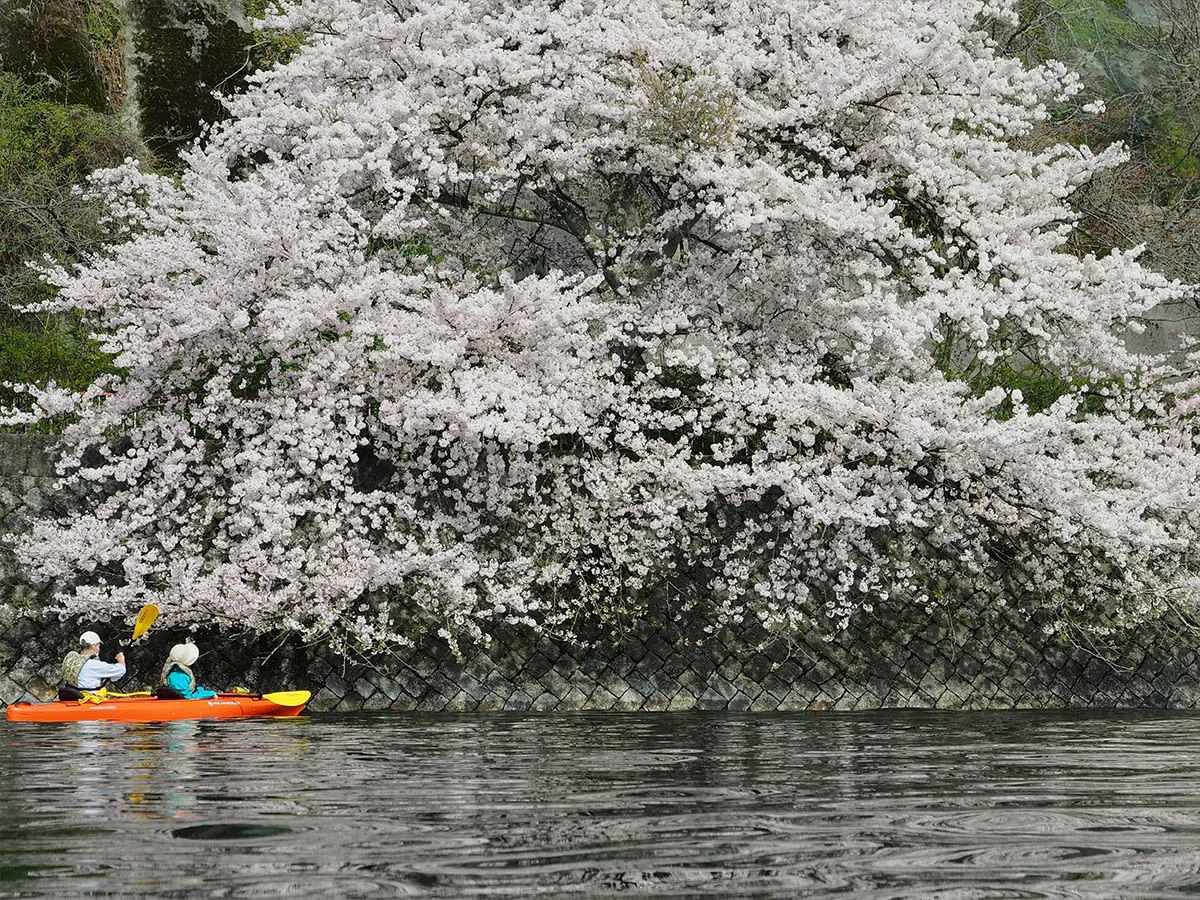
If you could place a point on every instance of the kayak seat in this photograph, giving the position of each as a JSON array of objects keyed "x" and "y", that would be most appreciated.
[
  {"x": 162, "y": 692},
  {"x": 66, "y": 692}
]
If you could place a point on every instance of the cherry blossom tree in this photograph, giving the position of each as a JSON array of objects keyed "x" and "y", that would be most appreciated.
[{"x": 568, "y": 314}]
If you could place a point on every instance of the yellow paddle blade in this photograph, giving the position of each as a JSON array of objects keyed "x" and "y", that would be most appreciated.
[
  {"x": 144, "y": 620},
  {"x": 288, "y": 698}
]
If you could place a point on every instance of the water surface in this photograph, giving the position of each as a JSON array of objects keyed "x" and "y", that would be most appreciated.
[{"x": 880, "y": 805}]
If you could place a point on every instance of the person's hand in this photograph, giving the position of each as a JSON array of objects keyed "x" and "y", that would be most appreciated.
[{"x": 120, "y": 657}]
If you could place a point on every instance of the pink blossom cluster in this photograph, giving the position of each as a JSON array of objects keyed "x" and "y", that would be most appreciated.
[{"x": 563, "y": 313}]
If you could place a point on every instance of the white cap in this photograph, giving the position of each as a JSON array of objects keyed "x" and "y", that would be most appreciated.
[{"x": 88, "y": 638}]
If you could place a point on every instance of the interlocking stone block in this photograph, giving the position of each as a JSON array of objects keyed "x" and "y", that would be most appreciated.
[
  {"x": 630, "y": 700},
  {"x": 489, "y": 702},
  {"x": 682, "y": 700},
  {"x": 868, "y": 699},
  {"x": 376, "y": 702},
  {"x": 764, "y": 702},
  {"x": 574, "y": 699},
  {"x": 622, "y": 664},
  {"x": 716, "y": 695},
  {"x": 615, "y": 685},
  {"x": 537, "y": 666},
  {"x": 602, "y": 698},
  {"x": 692, "y": 682},
  {"x": 634, "y": 648},
  {"x": 703, "y": 665},
  {"x": 739, "y": 702},
  {"x": 640, "y": 683},
  {"x": 798, "y": 697}
]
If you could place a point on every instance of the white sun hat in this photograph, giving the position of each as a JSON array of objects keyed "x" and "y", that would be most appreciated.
[{"x": 184, "y": 654}]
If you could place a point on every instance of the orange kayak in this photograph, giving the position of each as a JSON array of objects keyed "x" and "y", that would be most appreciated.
[{"x": 152, "y": 709}]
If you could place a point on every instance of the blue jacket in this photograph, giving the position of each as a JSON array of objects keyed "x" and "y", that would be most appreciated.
[{"x": 180, "y": 682}]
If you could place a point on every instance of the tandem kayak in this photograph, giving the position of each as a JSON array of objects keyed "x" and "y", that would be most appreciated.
[{"x": 154, "y": 709}]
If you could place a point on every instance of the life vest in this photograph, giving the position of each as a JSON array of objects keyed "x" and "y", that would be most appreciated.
[
  {"x": 172, "y": 664},
  {"x": 72, "y": 665}
]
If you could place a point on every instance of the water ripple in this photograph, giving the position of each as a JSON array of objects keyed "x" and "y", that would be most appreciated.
[{"x": 872, "y": 807}]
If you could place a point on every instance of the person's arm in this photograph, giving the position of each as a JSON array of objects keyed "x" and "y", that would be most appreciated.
[{"x": 98, "y": 668}]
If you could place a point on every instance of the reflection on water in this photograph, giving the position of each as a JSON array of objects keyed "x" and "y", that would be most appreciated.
[{"x": 880, "y": 805}]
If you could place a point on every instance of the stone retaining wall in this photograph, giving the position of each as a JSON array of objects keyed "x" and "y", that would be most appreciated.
[
  {"x": 954, "y": 658},
  {"x": 26, "y": 488},
  {"x": 903, "y": 660}
]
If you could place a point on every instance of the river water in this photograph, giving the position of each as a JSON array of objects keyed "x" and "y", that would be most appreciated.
[{"x": 881, "y": 805}]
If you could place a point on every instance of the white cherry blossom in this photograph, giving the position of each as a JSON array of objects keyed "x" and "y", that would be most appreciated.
[{"x": 565, "y": 313}]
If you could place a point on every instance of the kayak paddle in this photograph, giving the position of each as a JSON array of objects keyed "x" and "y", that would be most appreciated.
[
  {"x": 144, "y": 620},
  {"x": 288, "y": 698}
]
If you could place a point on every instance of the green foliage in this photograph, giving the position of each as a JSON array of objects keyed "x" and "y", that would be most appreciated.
[
  {"x": 415, "y": 248},
  {"x": 103, "y": 22},
  {"x": 57, "y": 351},
  {"x": 1143, "y": 61},
  {"x": 1038, "y": 387},
  {"x": 1087, "y": 23},
  {"x": 106, "y": 34},
  {"x": 684, "y": 108},
  {"x": 41, "y": 136},
  {"x": 46, "y": 149},
  {"x": 271, "y": 47}
]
